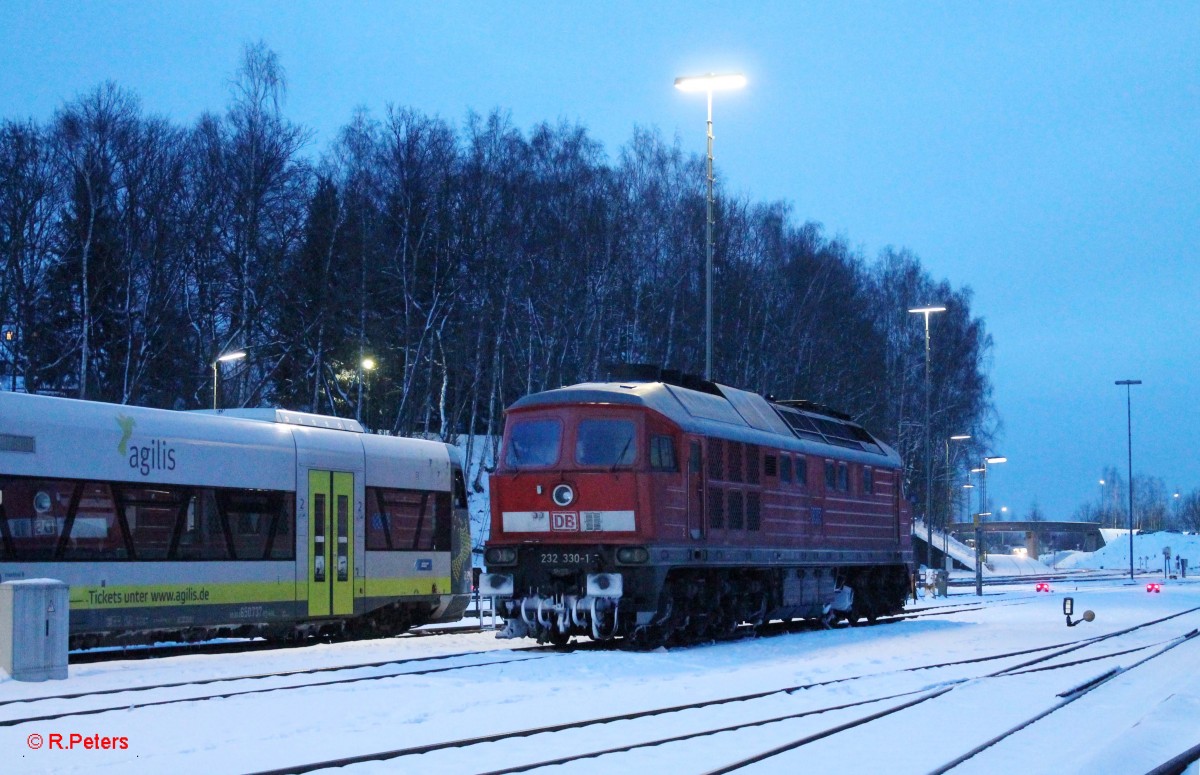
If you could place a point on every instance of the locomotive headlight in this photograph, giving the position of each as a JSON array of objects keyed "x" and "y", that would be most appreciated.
[
  {"x": 632, "y": 555},
  {"x": 563, "y": 495},
  {"x": 500, "y": 555}
]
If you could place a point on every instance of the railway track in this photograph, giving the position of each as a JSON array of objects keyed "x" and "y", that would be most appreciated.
[
  {"x": 1024, "y": 661},
  {"x": 538, "y": 651},
  {"x": 369, "y": 668},
  {"x": 110, "y": 654}
]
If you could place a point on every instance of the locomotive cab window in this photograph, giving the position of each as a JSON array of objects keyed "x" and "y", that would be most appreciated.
[
  {"x": 533, "y": 443},
  {"x": 662, "y": 454},
  {"x": 802, "y": 471},
  {"x": 830, "y": 475},
  {"x": 606, "y": 443},
  {"x": 868, "y": 481},
  {"x": 785, "y": 469},
  {"x": 843, "y": 482}
]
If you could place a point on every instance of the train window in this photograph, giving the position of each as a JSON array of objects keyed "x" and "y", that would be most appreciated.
[
  {"x": 843, "y": 483},
  {"x": 460, "y": 489},
  {"x": 35, "y": 514},
  {"x": 753, "y": 511},
  {"x": 151, "y": 513},
  {"x": 606, "y": 443},
  {"x": 716, "y": 508},
  {"x": 868, "y": 481},
  {"x": 802, "y": 471},
  {"x": 96, "y": 530},
  {"x": 830, "y": 476},
  {"x": 753, "y": 464},
  {"x": 662, "y": 454},
  {"x": 320, "y": 515},
  {"x": 407, "y": 520},
  {"x": 737, "y": 512},
  {"x": 694, "y": 463},
  {"x": 282, "y": 545},
  {"x": 735, "y": 461},
  {"x": 343, "y": 538},
  {"x": 716, "y": 459},
  {"x": 785, "y": 468},
  {"x": 533, "y": 443},
  {"x": 202, "y": 537},
  {"x": 252, "y": 517}
]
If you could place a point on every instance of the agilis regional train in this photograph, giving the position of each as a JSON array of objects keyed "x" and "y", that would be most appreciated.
[
  {"x": 190, "y": 525},
  {"x": 670, "y": 508}
]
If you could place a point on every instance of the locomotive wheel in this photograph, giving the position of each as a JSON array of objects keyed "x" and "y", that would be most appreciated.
[{"x": 559, "y": 639}]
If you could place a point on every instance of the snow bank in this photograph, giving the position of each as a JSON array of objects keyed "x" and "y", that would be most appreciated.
[{"x": 1147, "y": 553}]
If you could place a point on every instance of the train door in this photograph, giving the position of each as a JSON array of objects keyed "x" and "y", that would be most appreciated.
[
  {"x": 695, "y": 490},
  {"x": 330, "y": 543}
]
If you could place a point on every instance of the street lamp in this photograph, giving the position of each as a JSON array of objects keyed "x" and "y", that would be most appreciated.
[
  {"x": 982, "y": 471},
  {"x": 367, "y": 365},
  {"x": 709, "y": 83},
  {"x": 234, "y": 356},
  {"x": 1129, "y": 431},
  {"x": 927, "y": 311},
  {"x": 949, "y": 486}
]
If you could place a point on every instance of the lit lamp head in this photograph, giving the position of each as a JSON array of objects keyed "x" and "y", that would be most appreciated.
[
  {"x": 927, "y": 310},
  {"x": 234, "y": 356},
  {"x": 710, "y": 82},
  {"x": 368, "y": 364}
]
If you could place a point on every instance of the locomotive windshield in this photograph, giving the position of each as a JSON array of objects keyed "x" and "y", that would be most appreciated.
[
  {"x": 533, "y": 443},
  {"x": 605, "y": 443}
]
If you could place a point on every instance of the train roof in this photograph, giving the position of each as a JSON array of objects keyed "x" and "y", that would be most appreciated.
[
  {"x": 257, "y": 448},
  {"x": 728, "y": 413}
]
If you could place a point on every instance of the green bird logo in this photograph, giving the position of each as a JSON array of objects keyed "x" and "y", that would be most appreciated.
[{"x": 126, "y": 424}]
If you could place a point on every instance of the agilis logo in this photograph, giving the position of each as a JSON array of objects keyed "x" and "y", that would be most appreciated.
[{"x": 157, "y": 455}]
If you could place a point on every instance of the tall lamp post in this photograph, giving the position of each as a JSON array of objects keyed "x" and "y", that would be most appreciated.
[
  {"x": 1128, "y": 383},
  {"x": 982, "y": 471},
  {"x": 927, "y": 311},
  {"x": 234, "y": 356},
  {"x": 367, "y": 365},
  {"x": 709, "y": 83},
  {"x": 949, "y": 486}
]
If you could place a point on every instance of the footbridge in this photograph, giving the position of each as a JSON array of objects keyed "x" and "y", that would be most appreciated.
[{"x": 958, "y": 541}]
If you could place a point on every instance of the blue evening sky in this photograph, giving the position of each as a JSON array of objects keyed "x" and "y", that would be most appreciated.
[{"x": 1045, "y": 154}]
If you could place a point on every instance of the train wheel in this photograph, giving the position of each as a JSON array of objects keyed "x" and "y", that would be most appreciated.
[{"x": 559, "y": 639}]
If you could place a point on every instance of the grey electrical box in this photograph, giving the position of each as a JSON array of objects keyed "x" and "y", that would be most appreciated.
[{"x": 33, "y": 629}]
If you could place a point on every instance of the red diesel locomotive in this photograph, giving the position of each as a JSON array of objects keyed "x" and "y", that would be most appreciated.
[{"x": 676, "y": 509}]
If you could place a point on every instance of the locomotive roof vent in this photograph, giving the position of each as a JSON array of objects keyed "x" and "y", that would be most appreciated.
[
  {"x": 814, "y": 407},
  {"x": 649, "y": 372}
]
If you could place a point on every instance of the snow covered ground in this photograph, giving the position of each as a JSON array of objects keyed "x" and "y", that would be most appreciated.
[
  {"x": 1133, "y": 722},
  {"x": 1147, "y": 553}
]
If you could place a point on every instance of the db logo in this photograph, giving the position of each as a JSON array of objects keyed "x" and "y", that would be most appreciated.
[{"x": 564, "y": 521}]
